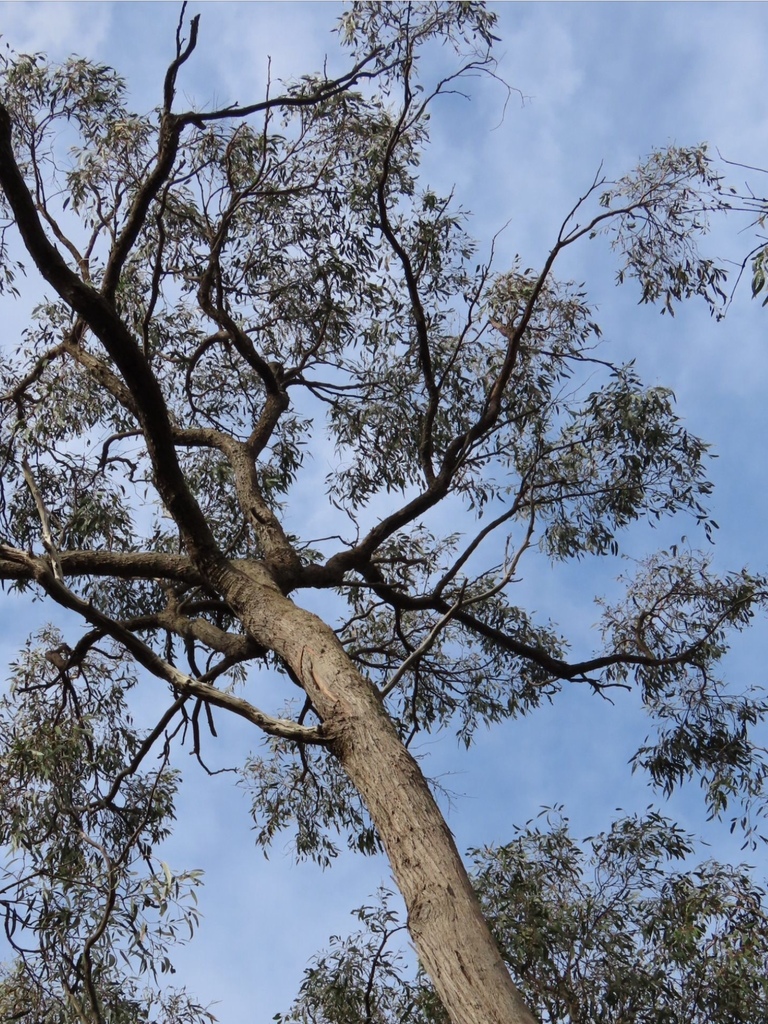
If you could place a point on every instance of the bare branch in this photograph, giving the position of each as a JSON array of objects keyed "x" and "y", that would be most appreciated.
[
  {"x": 99, "y": 313},
  {"x": 182, "y": 55}
]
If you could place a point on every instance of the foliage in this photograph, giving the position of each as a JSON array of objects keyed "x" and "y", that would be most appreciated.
[
  {"x": 614, "y": 929},
  {"x": 86, "y": 901}
]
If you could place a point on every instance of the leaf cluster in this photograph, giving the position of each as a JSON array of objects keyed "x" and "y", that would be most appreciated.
[
  {"x": 88, "y": 907},
  {"x": 616, "y": 929}
]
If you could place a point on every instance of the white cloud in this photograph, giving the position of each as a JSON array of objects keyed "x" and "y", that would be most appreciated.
[{"x": 55, "y": 28}]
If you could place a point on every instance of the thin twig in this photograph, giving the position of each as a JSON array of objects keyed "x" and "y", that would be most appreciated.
[{"x": 423, "y": 647}]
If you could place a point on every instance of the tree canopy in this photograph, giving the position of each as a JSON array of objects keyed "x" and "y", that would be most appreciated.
[
  {"x": 616, "y": 930},
  {"x": 227, "y": 293}
]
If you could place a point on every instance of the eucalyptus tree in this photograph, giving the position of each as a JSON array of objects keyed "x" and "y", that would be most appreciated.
[{"x": 226, "y": 291}]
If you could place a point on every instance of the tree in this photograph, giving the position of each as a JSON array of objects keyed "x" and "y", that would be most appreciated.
[
  {"x": 226, "y": 286},
  {"x": 606, "y": 931}
]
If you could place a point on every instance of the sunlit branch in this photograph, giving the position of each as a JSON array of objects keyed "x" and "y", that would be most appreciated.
[
  {"x": 279, "y": 553},
  {"x": 98, "y": 369},
  {"x": 45, "y": 521},
  {"x": 15, "y": 565}
]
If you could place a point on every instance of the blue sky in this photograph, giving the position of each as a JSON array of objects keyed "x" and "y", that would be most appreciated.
[{"x": 599, "y": 82}]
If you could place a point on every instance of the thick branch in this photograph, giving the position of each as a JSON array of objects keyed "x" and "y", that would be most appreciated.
[
  {"x": 458, "y": 450},
  {"x": 108, "y": 327},
  {"x": 556, "y": 667},
  {"x": 145, "y": 565},
  {"x": 45, "y": 520},
  {"x": 99, "y": 370},
  {"x": 279, "y": 554},
  {"x": 183, "y": 684}
]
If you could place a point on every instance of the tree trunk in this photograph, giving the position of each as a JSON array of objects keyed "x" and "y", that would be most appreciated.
[{"x": 446, "y": 924}]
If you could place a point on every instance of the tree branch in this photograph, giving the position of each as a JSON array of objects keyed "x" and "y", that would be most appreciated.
[
  {"x": 148, "y": 565},
  {"x": 183, "y": 684},
  {"x": 45, "y": 521}
]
